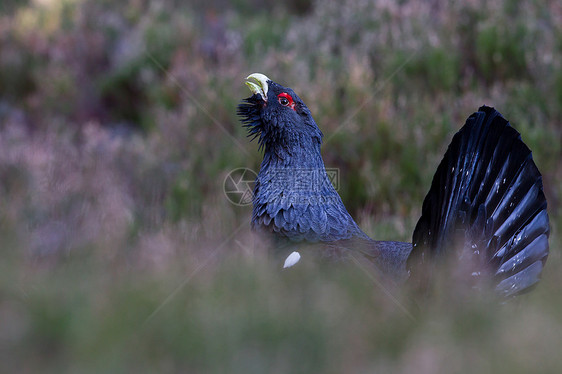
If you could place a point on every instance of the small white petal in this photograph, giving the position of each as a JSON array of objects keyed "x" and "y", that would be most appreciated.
[{"x": 292, "y": 259}]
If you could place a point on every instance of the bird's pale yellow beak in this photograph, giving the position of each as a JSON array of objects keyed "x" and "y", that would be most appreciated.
[{"x": 260, "y": 86}]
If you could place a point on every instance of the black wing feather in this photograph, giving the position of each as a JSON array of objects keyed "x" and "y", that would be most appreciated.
[{"x": 486, "y": 202}]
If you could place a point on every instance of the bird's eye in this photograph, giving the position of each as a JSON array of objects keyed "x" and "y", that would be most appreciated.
[{"x": 286, "y": 100}]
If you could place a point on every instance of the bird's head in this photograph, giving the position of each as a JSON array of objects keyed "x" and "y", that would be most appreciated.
[{"x": 277, "y": 116}]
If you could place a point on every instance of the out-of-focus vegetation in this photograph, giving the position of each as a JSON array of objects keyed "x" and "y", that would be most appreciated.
[{"x": 120, "y": 252}]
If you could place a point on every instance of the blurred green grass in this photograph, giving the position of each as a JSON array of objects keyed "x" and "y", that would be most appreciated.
[{"x": 120, "y": 251}]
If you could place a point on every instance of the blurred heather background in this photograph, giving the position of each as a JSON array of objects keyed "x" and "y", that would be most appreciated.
[{"x": 119, "y": 250}]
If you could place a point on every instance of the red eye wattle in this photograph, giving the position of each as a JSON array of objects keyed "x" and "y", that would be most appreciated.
[{"x": 286, "y": 100}]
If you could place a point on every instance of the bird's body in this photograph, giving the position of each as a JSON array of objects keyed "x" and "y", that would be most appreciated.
[
  {"x": 293, "y": 196},
  {"x": 295, "y": 201}
]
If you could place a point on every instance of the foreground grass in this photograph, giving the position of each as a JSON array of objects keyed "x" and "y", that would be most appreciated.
[{"x": 236, "y": 311}]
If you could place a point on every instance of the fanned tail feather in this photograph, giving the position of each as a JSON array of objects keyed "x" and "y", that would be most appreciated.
[{"x": 486, "y": 205}]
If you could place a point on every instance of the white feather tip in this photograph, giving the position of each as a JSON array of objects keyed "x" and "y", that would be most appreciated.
[{"x": 291, "y": 260}]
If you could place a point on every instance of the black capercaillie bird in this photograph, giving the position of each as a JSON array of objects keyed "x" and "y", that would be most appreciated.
[{"x": 485, "y": 207}]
